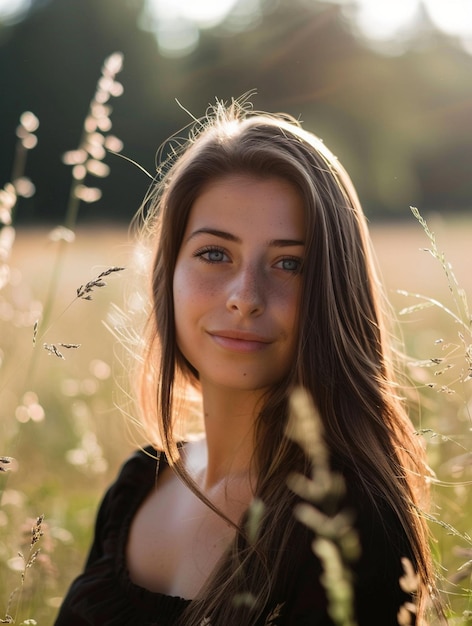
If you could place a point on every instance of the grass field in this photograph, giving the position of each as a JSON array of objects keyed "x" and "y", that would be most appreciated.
[{"x": 58, "y": 418}]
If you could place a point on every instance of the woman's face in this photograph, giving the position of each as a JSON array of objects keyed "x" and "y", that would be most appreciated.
[{"x": 237, "y": 282}]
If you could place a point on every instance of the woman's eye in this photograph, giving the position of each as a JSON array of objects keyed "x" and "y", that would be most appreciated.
[
  {"x": 212, "y": 255},
  {"x": 290, "y": 264},
  {"x": 215, "y": 255}
]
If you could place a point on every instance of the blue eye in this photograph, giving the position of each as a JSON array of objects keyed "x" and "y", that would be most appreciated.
[
  {"x": 290, "y": 264},
  {"x": 211, "y": 255},
  {"x": 215, "y": 255}
]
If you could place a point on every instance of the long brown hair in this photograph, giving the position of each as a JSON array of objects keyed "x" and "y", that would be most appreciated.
[{"x": 343, "y": 358}]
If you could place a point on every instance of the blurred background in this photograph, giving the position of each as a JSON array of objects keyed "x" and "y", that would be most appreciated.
[{"x": 387, "y": 84}]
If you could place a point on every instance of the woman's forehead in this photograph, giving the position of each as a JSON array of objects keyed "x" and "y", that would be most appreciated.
[{"x": 242, "y": 203}]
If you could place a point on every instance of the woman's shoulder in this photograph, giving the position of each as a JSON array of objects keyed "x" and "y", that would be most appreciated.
[
  {"x": 144, "y": 463},
  {"x": 134, "y": 480}
]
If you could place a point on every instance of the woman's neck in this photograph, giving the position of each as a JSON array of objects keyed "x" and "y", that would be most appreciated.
[{"x": 229, "y": 419}]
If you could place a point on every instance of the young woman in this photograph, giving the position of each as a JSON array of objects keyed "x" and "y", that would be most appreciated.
[{"x": 262, "y": 282}]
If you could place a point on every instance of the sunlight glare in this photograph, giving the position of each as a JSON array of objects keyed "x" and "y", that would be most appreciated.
[
  {"x": 176, "y": 23},
  {"x": 205, "y": 13},
  {"x": 175, "y": 35},
  {"x": 453, "y": 17},
  {"x": 388, "y": 24},
  {"x": 13, "y": 10},
  {"x": 383, "y": 20}
]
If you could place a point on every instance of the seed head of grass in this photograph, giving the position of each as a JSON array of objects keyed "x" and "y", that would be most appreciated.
[
  {"x": 5, "y": 463},
  {"x": 409, "y": 583},
  {"x": 61, "y": 233},
  {"x": 87, "y": 158},
  {"x": 254, "y": 520},
  {"x": 36, "y": 532},
  {"x": 53, "y": 350},
  {"x": 274, "y": 615},
  {"x": 84, "y": 291},
  {"x": 8, "y": 197}
]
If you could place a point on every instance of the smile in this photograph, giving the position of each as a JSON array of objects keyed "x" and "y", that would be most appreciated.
[{"x": 239, "y": 341}]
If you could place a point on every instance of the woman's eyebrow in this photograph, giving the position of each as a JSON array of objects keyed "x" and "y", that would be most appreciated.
[
  {"x": 217, "y": 233},
  {"x": 276, "y": 243},
  {"x": 285, "y": 243}
]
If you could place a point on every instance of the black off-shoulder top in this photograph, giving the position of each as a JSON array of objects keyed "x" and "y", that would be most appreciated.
[{"x": 104, "y": 595}]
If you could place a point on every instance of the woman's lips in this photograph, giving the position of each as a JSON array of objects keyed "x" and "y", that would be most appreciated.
[{"x": 239, "y": 341}]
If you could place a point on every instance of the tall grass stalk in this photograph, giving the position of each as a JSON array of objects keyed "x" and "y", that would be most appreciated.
[
  {"x": 87, "y": 160},
  {"x": 27, "y": 562}
]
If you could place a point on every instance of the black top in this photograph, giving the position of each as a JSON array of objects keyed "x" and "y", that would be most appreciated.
[{"x": 104, "y": 595}]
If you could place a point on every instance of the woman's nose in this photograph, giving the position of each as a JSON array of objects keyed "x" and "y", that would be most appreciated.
[{"x": 246, "y": 293}]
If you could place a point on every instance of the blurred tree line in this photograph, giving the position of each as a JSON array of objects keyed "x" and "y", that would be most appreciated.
[{"x": 401, "y": 123}]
